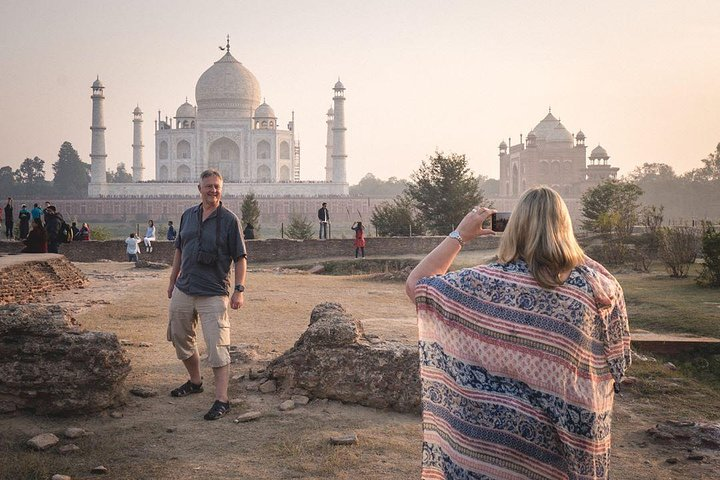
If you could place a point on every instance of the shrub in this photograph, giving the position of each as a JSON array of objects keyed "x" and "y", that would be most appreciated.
[
  {"x": 679, "y": 247},
  {"x": 300, "y": 228},
  {"x": 396, "y": 218},
  {"x": 710, "y": 275},
  {"x": 100, "y": 233}
]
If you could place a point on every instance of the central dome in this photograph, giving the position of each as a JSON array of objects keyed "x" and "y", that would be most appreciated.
[{"x": 228, "y": 85}]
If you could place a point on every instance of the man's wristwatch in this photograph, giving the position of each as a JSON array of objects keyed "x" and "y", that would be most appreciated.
[
  {"x": 239, "y": 288},
  {"x": 454, "y": 234}
]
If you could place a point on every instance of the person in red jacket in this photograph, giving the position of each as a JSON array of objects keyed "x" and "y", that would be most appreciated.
[{"x": 359, "y": 239}]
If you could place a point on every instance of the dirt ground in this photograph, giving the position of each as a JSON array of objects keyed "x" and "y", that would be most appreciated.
[{"x": 166, "y": 438}]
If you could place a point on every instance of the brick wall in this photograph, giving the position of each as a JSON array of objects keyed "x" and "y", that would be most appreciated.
[
  {"x": 266, "y": 250},
  {"x": 25, "y": 280}
]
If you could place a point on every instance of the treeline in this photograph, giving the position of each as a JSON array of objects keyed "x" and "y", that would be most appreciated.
[{"x": 71, "y": 176}]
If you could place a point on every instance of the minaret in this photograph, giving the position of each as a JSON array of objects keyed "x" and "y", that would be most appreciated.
[
  {"x": 97, "y": 145},
  {"x": 339, "y": 157},
  {"x": 329, "y": 147},
  {"x": 137, "y": 166}
]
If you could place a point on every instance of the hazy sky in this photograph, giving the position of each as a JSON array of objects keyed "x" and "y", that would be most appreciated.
[{"x": 640, "y": 78}]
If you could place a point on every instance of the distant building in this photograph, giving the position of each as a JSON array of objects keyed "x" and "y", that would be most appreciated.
[
  {"x": 552, "y": 156},
  {"x": 229, "y": 130}
]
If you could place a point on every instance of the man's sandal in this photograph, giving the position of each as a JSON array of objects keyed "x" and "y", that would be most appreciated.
[
  {"x": 218, "y": 410},
  {"x": 186, "y": 389}
]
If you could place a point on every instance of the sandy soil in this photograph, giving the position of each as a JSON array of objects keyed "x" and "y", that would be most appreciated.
[{"x": 166, "y": 438}]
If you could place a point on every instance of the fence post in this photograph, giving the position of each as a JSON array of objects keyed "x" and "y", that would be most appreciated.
[
  {"x": 282, "y": 230},
  {"x": 410, "y": 227}
]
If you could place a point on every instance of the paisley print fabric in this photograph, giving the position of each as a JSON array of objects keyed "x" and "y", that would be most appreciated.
[{"x": 518, "y": 380}]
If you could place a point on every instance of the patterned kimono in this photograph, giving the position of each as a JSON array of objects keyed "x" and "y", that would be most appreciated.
[{"x": 518, "y": 380}]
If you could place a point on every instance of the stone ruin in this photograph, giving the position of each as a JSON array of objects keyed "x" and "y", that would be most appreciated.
[
  {"x": 29, "y": 278},
  {"x": 687, "y": 434},
  {"x": 50, "y": 365},
  {"x": 334, "y": 359}
]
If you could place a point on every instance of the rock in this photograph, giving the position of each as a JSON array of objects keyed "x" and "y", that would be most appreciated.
[
  {"x": 99, "y": 470},
  {"x": 300, "y": 399},
  {"x": 236, "y": 401},
  {"x": 629, "y": 380},
  {"x": 247, "y": 417},
  {"x": 143, "y": 392},
  {"x": 69, "y": 448},
  {"x": 671, "y": 460},
  {"x": 145, "y": 344},
  {"x": 287, "y": 405},
  {"x": 116, "y": 414},
  {"x": 126, "y": 343},
  {"x": 43, "y": 441},
  {"x": 152, "y": 265},
  {"x": 334, "y": 359},
  {"x": 696, "y": 457},
  {"x": 238, "y": 378},
  {"x": 58, "y": 476},
  {"x": 244, "y": 352},
  {"x": 50, "y": 365},
  {"x": 171, "y": 429},
  {"x": 345, "y": 439},
  {"x": 671, "y": 366},
  {"x": 688, "y": 434},
  {"x": 251, "y": 387},
  {"x": 268, "y": 386},
  {"x": 74, "y": 432},
  {"x": 316, "y": 269}
]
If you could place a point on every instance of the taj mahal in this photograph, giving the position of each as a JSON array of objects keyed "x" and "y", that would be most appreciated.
[{"x": 229, "y": 129}]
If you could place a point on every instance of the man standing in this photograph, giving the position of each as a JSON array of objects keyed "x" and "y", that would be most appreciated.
[
  {"x": 9, "y": 219},
  {"x": 36, "y": 212},
  {"x": 171, "y": 233},
  {"x": 24, "y": 217},
  {"x": 54, "y": 226},
  {"x": 324, "y": 217},
  {"x": 208, "y": 242}
]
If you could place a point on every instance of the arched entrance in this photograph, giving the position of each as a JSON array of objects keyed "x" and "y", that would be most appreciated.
[{"x": 224, "y": 155}]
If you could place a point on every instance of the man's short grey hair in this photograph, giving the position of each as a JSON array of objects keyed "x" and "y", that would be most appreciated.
[{"x": 210, "y": 172}]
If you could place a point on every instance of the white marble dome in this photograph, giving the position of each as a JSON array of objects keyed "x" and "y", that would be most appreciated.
[
  {"x": 186, "y": 110},
  {"x": 265, "y": 111},
  {"x": 228, "y": 85}
]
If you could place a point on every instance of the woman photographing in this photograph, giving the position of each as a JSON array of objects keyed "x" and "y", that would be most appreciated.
[{"x": 519, "y": 359}]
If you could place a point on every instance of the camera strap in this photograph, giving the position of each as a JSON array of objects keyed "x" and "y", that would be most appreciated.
[{"x": 218, "y": 213}]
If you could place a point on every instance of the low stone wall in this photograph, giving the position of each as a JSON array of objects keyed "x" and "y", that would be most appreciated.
[
  {"x": 266, "y": 250},
  {"x": 28, "y": 278}
]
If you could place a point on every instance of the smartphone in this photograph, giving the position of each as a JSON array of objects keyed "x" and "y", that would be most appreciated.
[{"x": 499, "y": 221}]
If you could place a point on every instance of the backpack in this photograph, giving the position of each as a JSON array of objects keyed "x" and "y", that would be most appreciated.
[{"x": 66, "y": 233}]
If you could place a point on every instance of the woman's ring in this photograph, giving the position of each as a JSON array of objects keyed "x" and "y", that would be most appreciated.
[{"x": 474, "y": 210}]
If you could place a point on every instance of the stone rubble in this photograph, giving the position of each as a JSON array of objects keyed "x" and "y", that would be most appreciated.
[
  {"x": 248, "y": 417},
  {"x": 43, "y": 441},
  {"x": 345, "y": 439}
]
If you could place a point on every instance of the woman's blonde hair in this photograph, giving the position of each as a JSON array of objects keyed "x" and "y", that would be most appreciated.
[{"x": 540, "y": 232}]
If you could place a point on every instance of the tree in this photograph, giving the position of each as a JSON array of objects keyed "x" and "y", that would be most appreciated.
[
  {"x": 72, "y": 176},
  {"x": 711, "y": 171},
  {"x": 611, "y": 206},
  {"x": 250, "y": 211},
  {"x": 396, "y": 218},
  {"x": 121, "y": 175},
  {"x": 300, "y": 228},
  {"x": 443, "y": 190},
  {"x": 652, "y": 172},
  {"x": 31, "y": 171},
  {"x": 7, "y": 179},
  {"x": 371, "y": 185},
  {"x": 489, "y": 186},
  {"x": 710, "y": 275}
]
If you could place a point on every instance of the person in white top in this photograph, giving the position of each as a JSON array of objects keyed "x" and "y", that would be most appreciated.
[
  {"x": 132, "y": 247},
  {"x": 149, "y": 236}
]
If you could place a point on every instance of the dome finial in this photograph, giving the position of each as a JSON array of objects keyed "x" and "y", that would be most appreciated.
[
  {"x": 227, "y": 46},
  {"x": 549, "y": 109}
]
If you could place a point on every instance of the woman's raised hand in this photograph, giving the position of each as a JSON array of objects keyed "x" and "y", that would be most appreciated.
[{"x": 471, "y": 226}]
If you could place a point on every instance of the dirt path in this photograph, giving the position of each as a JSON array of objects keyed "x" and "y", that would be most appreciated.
[{"x": 166, "y": 438}]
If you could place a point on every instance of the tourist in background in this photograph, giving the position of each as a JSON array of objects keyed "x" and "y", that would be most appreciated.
[
  {"x": 249, "y": 232},
  {"x": 84, "y": 233},
  {"x": 171, "y": 233},
  {"x": 324, "y": 217},
  {"x": 37, "y": 240},
  {"x": 359, "y": 238},
  {"x": 76, "y": 231},
  {"x": 36, "y": 212},
  {"x": 9, "y": 218},
  {"x": 132, "y": 243},
  {"x": 54, "y": 225},
  {"x": 149, "y": 236},
  {"x": 24, "y": 216},
  {"x": 519, "y": 359},
  {"x": 46, "y": 212}
]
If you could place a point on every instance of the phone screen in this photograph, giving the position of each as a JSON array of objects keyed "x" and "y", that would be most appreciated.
[{"x": 499, "y": 221}]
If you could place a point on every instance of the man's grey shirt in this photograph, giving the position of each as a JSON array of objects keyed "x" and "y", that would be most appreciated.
[{"x": 208, "y": 280}]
